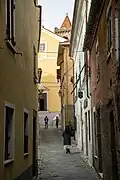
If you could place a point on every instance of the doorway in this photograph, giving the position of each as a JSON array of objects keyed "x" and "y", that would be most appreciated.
[
  {"x": 34, "y": 143},
  {"x": 43, "y": 102},
  {"x": 82, "y": 128},
  {"x": 86, "y": 133},
  {"x": 99, "y": 141},
  {"x": 113, "y": 148},
  {"x": 82, "y": 135}
]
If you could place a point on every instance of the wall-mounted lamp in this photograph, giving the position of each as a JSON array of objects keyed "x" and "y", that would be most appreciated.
[
  {"x": 37, "y": 78},
  {"x": 60, "y": 93},
  {"x": 41, "y": 89},
  {"x": 39, "y": 74}
]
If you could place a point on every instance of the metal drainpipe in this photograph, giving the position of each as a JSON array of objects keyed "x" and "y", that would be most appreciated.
[
  {"x": 73, "y": 99},
  {"x": 38, "y": 51},
  {"x": 74, "y": 119},
  {"x": 66, "y": 87},
  {"x": 39, "y": 27},
  {"x": 119, "y": 28}
]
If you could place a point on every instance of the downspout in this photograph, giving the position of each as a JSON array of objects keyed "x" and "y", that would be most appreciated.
[
  {"x": 116, "y": 96},
  {"x": 119, "y": 30},
  {"x": 86, "y": 54},
  {"x": 74, "y": 119},
  {"x": 67, "y": 121},
  {"x": 40, "y": 9}
]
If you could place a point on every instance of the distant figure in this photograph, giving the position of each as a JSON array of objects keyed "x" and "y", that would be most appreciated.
[
  {"x": 67, "y": 139},
  {"x": 46, "y": 122},
  {"x": 57, "y": 121}
]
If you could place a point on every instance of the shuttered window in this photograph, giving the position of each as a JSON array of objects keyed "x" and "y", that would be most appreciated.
[{"x": 10, "y": 26}]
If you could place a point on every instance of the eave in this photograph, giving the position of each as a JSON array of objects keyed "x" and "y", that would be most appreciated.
[{"x": 93, "y": 22}]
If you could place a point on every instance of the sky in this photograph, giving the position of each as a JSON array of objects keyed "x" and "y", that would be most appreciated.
[{"x": 54, "y": 12}]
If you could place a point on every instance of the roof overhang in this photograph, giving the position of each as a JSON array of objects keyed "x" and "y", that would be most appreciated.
[
  {"x": 52, "y": 34},
  {"x": 65, "y": 43}
]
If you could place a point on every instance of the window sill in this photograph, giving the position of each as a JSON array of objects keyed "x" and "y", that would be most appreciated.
[
  {"x": 11, "y": 47},
  {"x": 9, "y": 161},
  {"x": 26, "y": 155}
]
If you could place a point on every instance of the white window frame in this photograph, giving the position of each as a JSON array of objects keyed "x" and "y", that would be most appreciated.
[
  {"x": 27, "y": 112},
  {"x": 12, "y": 106}
]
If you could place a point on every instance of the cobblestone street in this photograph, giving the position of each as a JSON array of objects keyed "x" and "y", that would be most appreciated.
[{"x": 55, "y": 164}]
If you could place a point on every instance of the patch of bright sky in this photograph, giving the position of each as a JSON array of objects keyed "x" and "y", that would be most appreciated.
[{"x": 54, "y": 12}]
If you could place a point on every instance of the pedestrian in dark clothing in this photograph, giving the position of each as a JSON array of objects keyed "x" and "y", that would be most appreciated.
[
  {"x": 57, "y": 121},
  {"x": 46, "y": 122},
  {"x": 67, "y": 139}
]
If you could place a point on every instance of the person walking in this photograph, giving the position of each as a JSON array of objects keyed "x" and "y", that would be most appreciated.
[
  {"x": 57, "y": 121},
  {"x": 46, "y": 122},
  {"x": 67, "y": 139}
]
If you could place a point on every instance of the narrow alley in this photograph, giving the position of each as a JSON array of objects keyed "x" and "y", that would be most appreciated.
[{"x": 56, "y": 164}]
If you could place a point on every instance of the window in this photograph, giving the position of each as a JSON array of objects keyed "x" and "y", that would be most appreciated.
[
  {"x": 109, "y": 20},
  {"x": 80, "y": 74},
  {"x": 76, "y": 85},
  {"x": 97, "y": 61},
  {"x": 9, "y": 112},
  {"x": 34, "y": 65},
  {"x": 25, "y": 132},
  {"x": 95, "y": 134},
  {"x": 42, "y": 47},
  {"x": 10, "y": 29},
  {"x": 89, "y": 125},
  {"x": 117, "y": 33}
]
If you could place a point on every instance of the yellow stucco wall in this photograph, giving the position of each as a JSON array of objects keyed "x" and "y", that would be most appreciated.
[
  {"x": 48, "y": 62},
  {"x": 16, "y": 84}
]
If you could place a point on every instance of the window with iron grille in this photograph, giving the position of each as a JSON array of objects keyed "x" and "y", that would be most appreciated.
[{"x": 10, "y": 26}]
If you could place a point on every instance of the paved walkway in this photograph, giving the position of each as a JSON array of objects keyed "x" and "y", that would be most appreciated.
[{"x": 55, "y": 164}]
